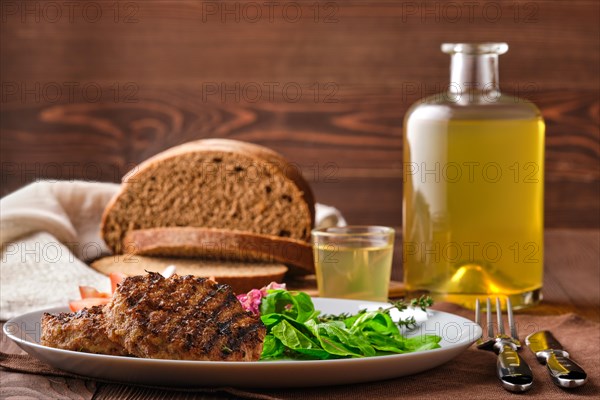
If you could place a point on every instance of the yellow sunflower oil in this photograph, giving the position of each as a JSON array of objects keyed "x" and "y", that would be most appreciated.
[{"x": 474, "y": 188}]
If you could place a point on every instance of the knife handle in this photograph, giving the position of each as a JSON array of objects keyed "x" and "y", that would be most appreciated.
[
  {"x": 563, "y": 371},
  {"x": 512, "y": 370}
]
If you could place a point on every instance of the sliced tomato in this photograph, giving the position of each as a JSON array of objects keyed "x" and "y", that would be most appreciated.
[
  {"x": 115, "y": 279},
  {"x": 77, "y": 305},
  {"x": 91, "y": 292}
]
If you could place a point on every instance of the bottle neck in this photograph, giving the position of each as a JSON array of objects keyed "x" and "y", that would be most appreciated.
[{"x": 475, "y": 75}]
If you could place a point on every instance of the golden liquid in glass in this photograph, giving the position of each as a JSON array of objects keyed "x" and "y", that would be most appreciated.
[
  {"x": 473, "y": 208},
  {"x": 353, "y": 272}
]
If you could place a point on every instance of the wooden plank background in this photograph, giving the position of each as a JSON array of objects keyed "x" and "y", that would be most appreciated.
[{"x": 89, "y": 88}]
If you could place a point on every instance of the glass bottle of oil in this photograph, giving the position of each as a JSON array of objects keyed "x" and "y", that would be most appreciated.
[{"x": 474, "y": 187}]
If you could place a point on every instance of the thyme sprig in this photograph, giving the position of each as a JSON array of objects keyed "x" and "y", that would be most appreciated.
[{"x": 423, "y": 302}]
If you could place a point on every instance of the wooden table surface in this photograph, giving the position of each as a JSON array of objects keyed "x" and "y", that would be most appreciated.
[{"x": 571, "y": 284}]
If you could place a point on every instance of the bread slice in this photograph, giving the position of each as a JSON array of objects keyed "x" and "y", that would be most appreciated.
[
  {"x": 242, "y": 277},
  {"x": 220, "y": 244},
  {"x": 215, "y": 183}
]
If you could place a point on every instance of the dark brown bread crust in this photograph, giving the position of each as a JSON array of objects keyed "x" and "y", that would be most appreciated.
[
  {"x": 212, "y": 183},
  {"x": 183, "y": 318},
  {"x": 84, "y": 331},
  {"x": 220, "y": 244},
  {"x": 241, "y": 276}
]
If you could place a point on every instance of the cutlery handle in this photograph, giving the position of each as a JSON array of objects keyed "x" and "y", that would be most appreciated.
[
  {"x": 563, "y": 371},
  {"x": 512, "y": 370}
]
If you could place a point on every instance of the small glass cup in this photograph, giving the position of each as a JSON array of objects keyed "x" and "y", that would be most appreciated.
[{"x": 354, "y": 262}]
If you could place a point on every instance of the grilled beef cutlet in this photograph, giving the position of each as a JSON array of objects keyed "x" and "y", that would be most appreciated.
[
  {"x": 182, "y": 318},
  {"x": 81, "y": 331}
]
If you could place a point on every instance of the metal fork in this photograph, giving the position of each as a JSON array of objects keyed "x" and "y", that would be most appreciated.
[{"x": 513, "y": 372}]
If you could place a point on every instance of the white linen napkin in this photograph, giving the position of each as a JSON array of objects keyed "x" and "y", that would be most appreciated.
[
  {"x": 328, "y": 216},
  {"x": 49, "y": 230}
]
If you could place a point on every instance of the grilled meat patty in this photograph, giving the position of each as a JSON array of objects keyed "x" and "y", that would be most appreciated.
[
  {"x": 182, "y": 318},
  {"x": 82, "y": 331}
]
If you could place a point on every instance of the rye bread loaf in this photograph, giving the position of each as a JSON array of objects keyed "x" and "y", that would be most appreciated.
[
  {"x": 220, "y": 244},
  {"x": 242, "y": 277},
  {"x": 215, "y": 183}
]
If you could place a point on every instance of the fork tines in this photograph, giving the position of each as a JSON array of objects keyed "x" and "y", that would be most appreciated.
[
  {"x": 512, "y": 327},
  {"x": 511, "y": 369},
  {"x": 511, "y": 320}
]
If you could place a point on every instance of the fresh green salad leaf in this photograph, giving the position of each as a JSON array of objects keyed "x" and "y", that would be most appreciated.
[
  {"x": 296, "y": 305},
  {"x": 296, "y": 330}
]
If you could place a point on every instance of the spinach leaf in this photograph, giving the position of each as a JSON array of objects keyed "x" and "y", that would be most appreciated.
[
  {"x": 296, "y": 305},
  {"x": 272, "y": 348},
  {"x": 295, "y": 340},
  {"x": 295, "y": 330}
]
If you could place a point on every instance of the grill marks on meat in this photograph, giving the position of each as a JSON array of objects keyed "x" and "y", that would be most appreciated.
[
  {"x": 184, "y": 318},
  {"x": 82, "y": 331}
]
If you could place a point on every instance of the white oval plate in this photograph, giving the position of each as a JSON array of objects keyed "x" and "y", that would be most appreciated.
[{"x": 457, "y": 334}]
